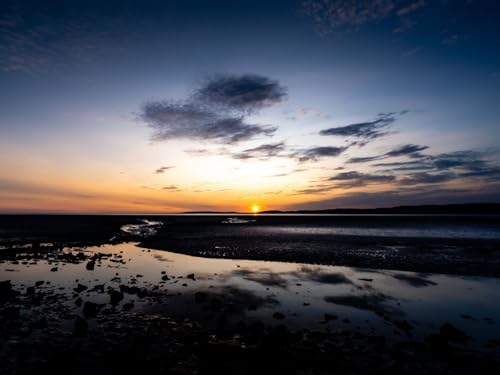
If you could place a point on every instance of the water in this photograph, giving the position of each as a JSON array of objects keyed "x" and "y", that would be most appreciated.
[{"x": 366, "y": 300}]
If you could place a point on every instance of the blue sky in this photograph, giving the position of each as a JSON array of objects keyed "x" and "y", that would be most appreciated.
[{"x": 233, "y": 97}]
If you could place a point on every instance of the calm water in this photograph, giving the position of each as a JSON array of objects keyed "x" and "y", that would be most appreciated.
[{"x": 370, "y": 300}]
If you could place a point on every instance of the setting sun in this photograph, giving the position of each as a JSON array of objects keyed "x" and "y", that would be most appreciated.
[{"x": 255, "y": 208}]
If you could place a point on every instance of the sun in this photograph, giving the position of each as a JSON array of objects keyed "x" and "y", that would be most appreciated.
[{"x": 255, "y": 208}]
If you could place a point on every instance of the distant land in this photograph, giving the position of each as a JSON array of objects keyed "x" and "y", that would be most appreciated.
[{"x": 431, "y": 209}]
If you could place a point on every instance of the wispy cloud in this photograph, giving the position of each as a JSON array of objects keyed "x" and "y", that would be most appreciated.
[
  {"x": 364, "y": 131},
  {"x": 263, "y": 152},
  {"x": 339, "y": 15},
  {"x": 172, "y": 188},
  {"x": 316, "y": 153},
  {"x": 409, "y": 150},
  {"x": 163, "y": 169}
]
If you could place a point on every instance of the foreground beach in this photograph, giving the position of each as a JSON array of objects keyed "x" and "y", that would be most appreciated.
[{"x": 121, "y": 308}]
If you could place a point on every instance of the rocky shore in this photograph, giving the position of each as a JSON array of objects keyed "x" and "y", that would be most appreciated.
[{"x": 96, "y": 327}]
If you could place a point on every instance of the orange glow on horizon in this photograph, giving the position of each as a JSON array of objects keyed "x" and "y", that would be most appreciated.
[{"x": 255, "y": 208}]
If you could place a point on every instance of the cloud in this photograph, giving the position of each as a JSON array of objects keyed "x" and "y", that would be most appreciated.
[
  {"x": 410, "y": 8},
  {"x": 216, "y": 111},
  {"x": 410, "y": 150},
  {"x": 336, "y": 15},
  {"x": 363, "y": 130},
  {"x": 354, "y": 179},
  {"x": 264, "y": 151},
  {"x": 430, "y": 194},
  {"x": 243, "y": 93},
  {"x": 188, "y": 120},
  {"x": 163, "y": 169},
  {"x": 426, "y": 178},
  {"x": 171, "y": 188},
  {"x": 315, "y": 153}
]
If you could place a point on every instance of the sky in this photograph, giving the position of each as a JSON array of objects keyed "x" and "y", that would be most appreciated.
[{"x": 172, "y": 106}]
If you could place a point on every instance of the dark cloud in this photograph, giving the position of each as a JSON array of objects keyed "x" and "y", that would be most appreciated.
[
  {"x": 364, "y": 130},
  {"x": 353, "y": 178},
  {"x": 426, "y": 178},
  {"x": 425, "y": 194},
  {"x": 163, "y": 169},
  {"x": 216, "y": 111},
  {"x": 244, "y": 93},
  {"x": 264, "y": 151},
  {"x": 315, "y": 153},
  {"x": 409, "y": 150},
  {"x": 187, "y": 120},
  {"x": 171, "y": 188}
]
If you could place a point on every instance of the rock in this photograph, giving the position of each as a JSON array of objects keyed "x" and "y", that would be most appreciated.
[
  {"x": 128, "y": 306},
  {"x": 6, "y": 290},
  {"x": 38, "y": 283},
  {"x": 90, "y": 265},
  {"x": 451, "y": 333},
  {"x": 278, "y": 316},
  {"x": 53, "y": 269},
  {"x": 30, "y": 290},
  {"x": 10, "y": 312},
  {"x": 329, "y": 317},
  {"x": 165, "y": 278},
  {"x": 39, "y": 324},
  {"x": 404, "y": 326},
  {"x": 78, "y": 301},
  {"x": 80, "y": 327},
  {"x": 191, "y": 276},
  {"x": 115, "y": 297},
  {"x": 80, "y": 288},
  {"x": 90, "y": 309},
  {"x": 200, "y": 297}
]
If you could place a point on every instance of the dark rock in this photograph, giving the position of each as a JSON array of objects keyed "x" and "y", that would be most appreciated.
[
  {"x": 10, "y": 312},
  {"x": 6, "y": 290},
  {"x": 30, "y": 290},
  {"x": 165, "y": 278},
  {"x": 128, "y": 306},
  {"x": 80, "y": 327},
  {"x": 39, "y": 324},
  {"x": 404, "y": 326},
  {"x": 278, "y": 316},
  {"x": 78, "y": 301},
  {"x": 80, "y": 288},
  {"x": 90, "y": 309},
  {"x": 90, "y": 265},
  {"x": 329, "y": 317},
  {"x": 451, "y": 333},
  {"x": 53, "y": 269},
  {"x": 38, "y": 283},
  {"x": 115, "y": 297},
  {"x": 191, "y": 276}
]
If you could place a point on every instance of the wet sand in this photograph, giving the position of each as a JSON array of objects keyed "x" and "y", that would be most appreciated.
[
  {"x": 125, "y": 295},
  {"x": 123, "y": 309}
]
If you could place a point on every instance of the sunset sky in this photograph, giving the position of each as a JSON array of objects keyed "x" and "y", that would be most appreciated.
[{"x": 170, "y": 106}]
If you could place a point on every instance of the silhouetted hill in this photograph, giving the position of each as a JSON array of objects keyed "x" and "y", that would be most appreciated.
[{"x": 442, "y": 209}]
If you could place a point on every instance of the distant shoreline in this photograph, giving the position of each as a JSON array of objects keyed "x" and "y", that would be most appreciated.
[{"x": 438, "y": 209}]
